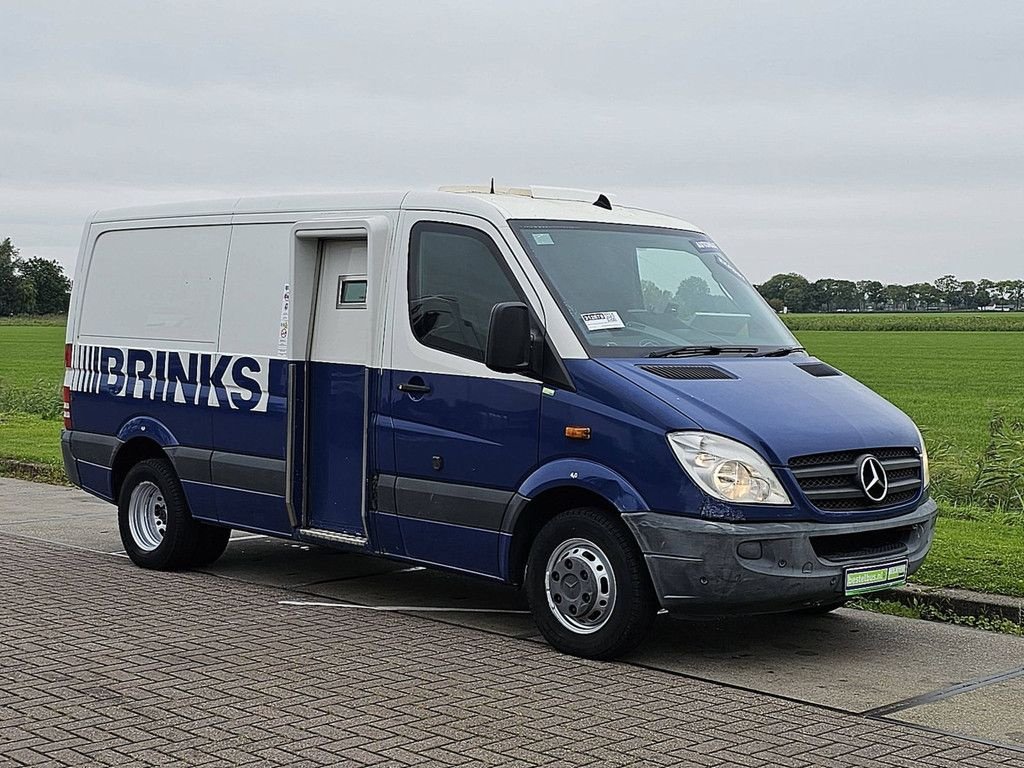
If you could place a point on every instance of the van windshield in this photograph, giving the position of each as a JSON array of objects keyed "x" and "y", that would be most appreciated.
[{"x": 629, "y": 291}]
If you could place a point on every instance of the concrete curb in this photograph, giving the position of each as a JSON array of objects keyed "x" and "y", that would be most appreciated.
[
  {"x": 963, "y": 602},
  {"x": 38, "y": 473}
]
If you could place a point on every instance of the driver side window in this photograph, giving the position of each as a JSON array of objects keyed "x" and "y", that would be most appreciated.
[{"x": 456, "y": 276}]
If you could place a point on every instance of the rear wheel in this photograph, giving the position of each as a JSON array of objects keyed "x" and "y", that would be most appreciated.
[
  {"x": 213, "y": 540},
  {"x": 157, "y": 529},
  {"x": 588, "y": 586}
]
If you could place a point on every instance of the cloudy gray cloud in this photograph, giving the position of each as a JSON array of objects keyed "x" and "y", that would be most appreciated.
[{"x": 868, "y": 139}]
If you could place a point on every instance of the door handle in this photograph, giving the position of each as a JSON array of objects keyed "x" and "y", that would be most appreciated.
[{"x": 413, "y": 388}]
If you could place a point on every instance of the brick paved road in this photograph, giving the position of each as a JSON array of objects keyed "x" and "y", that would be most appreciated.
[{"x": 103, "y": 663}]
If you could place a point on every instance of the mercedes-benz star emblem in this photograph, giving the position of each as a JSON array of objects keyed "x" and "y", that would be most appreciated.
[{"x": 873, "y": 479}]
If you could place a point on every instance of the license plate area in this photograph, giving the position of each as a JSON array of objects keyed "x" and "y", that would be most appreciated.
[{"x": 872, "y": 578}]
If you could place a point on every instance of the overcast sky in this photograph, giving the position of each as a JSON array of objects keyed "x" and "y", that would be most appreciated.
[{"x": 861, "y": 140}]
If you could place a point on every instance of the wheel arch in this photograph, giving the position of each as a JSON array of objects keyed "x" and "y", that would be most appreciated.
[
  {"x": 556, "y": 487},
  {"x": 141, "y": 438},
  {"x": 129, "y": 454},
  {"x": 149, "y": 428}
]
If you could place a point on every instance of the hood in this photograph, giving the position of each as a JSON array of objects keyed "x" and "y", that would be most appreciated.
[{"x": 783, "y": 407}]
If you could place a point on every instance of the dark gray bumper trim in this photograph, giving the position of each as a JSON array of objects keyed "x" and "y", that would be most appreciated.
[
  {"x": 70, "y": 465},
  {"x": 96, "y": 449},
  {"x": 695, "y": 566}
]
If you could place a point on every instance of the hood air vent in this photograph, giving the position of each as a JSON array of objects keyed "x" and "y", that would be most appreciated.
[
  {"x": 819, "y": 369},
  {"x": 687, "y": 372}
]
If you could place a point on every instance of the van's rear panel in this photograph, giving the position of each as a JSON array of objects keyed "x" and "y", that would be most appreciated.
[{"x": 152, "y": 359}]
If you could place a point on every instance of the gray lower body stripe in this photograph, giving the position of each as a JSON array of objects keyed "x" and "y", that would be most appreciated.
[
  {"x": 190, "y": 463},
  {"x": 253, "y": 473},
  {"x": 229, "y": 470},
  {"x": 198, "y": 465},
  {"x": 436, "y": 501}
]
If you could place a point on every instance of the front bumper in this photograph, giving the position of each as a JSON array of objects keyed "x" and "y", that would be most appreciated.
[{"x": 697, "y": 567}]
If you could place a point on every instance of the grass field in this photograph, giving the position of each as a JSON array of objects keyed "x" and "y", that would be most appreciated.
[
  {"x": 987, "y": 556},
  {"x": 29, "y": 354},
  {"x": 908, "y": 321},
  {"x": 951, "y": 382},
  {"x": 31, "y": 372}
]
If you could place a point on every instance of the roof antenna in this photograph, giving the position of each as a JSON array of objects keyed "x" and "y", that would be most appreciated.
[
  {"x": 492, "y": 185},
  {"x": 603, "y": 202}
]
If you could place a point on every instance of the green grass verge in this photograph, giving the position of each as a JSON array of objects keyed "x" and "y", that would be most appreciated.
[
  {"x": 907, "y": 321},
  {"x": 36, "y": 473},
  {"x": 929, "y": 612},
  {"x": 60, "y": 320},
  {"x": 985, "y": 556}
]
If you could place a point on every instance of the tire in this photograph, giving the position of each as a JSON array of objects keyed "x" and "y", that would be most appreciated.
[
  {"x": 213, "y": 540},
  {"x": 576, "y": 549},
  {"x": 157, "y": 529}
]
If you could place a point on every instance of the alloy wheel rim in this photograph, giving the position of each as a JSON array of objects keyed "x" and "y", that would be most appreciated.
[
  {"x": 147, "y": 516},
  {"x": 580, "y": 586}
]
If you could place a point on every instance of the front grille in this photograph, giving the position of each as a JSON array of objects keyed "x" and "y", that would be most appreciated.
[
  {"x": 830, "y": 480},
  {"x": 687, "y": 372},
  {"x": 862, "y": 546}
]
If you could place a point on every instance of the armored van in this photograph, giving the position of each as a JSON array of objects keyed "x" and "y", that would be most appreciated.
[{"x": 535, "y": 386}]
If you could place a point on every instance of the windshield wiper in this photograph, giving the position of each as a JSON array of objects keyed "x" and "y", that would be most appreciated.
[
  {"x": 694, "y": 351},
  {"x": 780, "y": 352}
]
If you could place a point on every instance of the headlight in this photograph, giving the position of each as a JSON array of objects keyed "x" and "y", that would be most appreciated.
[
  {"x": 926, "y": 475},
  {"x": 726, "y": 469}
]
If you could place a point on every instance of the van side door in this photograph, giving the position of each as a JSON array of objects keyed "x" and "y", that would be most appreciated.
[{"x": 465, "y": 436}]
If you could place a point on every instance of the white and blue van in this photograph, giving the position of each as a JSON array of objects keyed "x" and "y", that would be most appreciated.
[{"x": 535, "y": 386}]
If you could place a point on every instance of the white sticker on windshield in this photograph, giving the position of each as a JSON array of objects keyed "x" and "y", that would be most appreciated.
[
  {"x": 705, "y": 245},
  {"x": 600, "y": 321},
  {"x": 542, "y": 238}
]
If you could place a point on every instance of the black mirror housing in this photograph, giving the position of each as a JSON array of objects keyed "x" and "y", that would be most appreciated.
[{"x": 510, "y": 339}]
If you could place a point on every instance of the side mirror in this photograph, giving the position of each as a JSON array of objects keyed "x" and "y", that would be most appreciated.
[{"x": 509, "y": 338}]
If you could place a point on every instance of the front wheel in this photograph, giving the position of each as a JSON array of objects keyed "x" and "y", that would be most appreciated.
[{"x": 588, "y": 585}]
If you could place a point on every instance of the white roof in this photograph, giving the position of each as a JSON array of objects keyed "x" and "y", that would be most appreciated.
[
  {"x": 525, "y": 203},
  {"x": 348, "y": 201}
]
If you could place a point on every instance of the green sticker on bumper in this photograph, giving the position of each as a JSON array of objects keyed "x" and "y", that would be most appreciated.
[{"x": 872, "y": 578}]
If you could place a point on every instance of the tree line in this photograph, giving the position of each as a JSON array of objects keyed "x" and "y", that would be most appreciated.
[
  {"x": 33, "y": 286},
  {"x": 796, "y": 293}
]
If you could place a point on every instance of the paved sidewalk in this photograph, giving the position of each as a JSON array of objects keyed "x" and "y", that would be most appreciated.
[{"x": 104, "y": 663}]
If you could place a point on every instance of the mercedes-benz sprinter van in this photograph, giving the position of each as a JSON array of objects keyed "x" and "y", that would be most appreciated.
[{"x": 535, "y": 386}]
